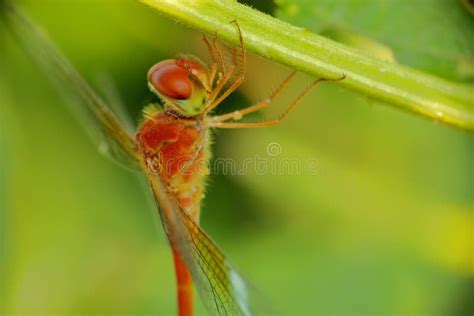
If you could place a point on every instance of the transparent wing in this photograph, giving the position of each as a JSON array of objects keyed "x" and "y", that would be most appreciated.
[
  {"x": 107, "y": 86},
  {"x": 221, "y": 287},
  {"x": 223, "y": 290},
  {"x": 101, "y": 123}
]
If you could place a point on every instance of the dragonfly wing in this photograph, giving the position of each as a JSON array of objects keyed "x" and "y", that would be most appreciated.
[
  {"x": 107, "y": 86},
  {"x": 223, "y": 290},
  {"x": 105, "y": 128},
  {"x": 221, "y": 287}
]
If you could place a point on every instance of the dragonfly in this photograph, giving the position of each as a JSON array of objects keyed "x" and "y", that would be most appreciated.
[{"x": 172, "y": 148}]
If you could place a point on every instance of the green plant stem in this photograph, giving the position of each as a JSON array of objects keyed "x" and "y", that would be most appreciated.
[{"x": 406, "y": 88}]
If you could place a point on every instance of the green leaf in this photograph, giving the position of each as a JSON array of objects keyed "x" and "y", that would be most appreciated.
[
  {"x": 435, "y": 35},
  {"x": 403, "y": 87}
]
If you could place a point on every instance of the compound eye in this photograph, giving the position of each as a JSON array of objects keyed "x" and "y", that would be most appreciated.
[{"x": 171, "y": 80}]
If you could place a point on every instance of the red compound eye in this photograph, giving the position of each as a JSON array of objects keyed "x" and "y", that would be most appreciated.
[{"x": 171, "y": 80}]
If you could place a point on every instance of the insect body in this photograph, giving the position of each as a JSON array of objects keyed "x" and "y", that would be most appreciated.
[
  {"x": 172, "y": 147},
  {"x": 175, "y": 141},
  {"x": 175, "y": 145}
]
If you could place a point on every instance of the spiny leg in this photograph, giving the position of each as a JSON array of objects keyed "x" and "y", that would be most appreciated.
[
  {"x": 215, "y": 52},
  {"x": 219, "y": 54},
  {"x": 239, "y": 79},
  {"x": 291, "y": 107},
  {"x": 212, "y": 76},
  {"x": 256, "y": 107},
  {"x": 214, "y": 67},
  {"x": 213, "y": 70},
  {"x": 220, "y": 84},
  {"x": 210, "y": 49},
  {"x": 218, "y": 61}
]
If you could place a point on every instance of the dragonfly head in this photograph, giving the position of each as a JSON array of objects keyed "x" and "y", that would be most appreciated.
[{"x": 181, "y": 83}]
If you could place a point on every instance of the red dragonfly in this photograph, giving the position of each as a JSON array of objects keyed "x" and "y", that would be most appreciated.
[{"x": 172, "y": 147}]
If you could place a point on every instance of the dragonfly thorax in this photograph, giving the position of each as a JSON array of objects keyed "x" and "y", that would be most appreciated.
[{"x": 176, "y": 150}]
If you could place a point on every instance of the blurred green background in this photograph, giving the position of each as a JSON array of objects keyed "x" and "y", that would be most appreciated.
[{"x": 385, "y": 226}]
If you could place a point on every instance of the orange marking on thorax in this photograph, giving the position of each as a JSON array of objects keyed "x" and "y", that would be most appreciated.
[
  {"x": 176, "y": 149},
  {"x": 158, "y": 130}
]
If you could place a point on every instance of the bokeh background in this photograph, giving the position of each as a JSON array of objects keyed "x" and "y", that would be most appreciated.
[{"x": 385, "y": 226}]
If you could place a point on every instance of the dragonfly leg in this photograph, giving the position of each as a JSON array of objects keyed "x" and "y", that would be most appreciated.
[
  {"x": 210, "y": 49},
  {"x": 256, "y": 107},
  {"x": 216, "y": 54},
  {"x": 219, "y": 55},
  {"x": 218, "y": 61},
  {"x": 220, "y": 84},
  {"x": 217, "y": 122},
  {"x": 239, "y": 79},
  {"x": 214, "y": 67}
]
